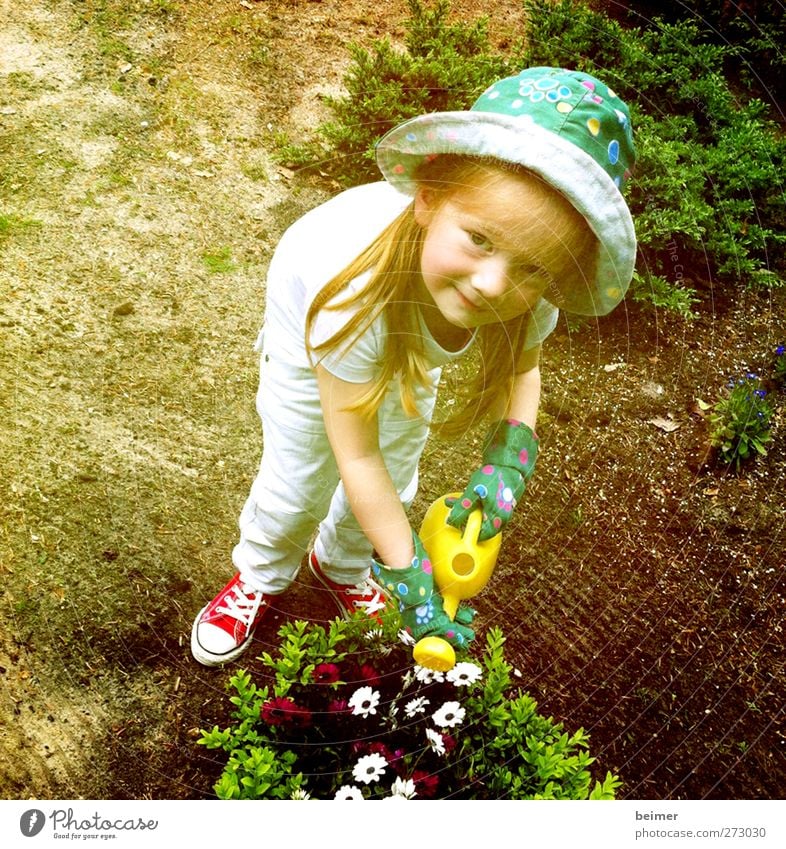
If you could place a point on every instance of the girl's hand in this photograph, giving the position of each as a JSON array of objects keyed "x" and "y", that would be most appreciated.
[
  {"x": 496, "y": 490},
  {"x": 419, "y": 602},
  {"x": 509, "y": 455}
]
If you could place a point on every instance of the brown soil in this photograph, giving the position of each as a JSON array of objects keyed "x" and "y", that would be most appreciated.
[{"x": 641, "y": 589}]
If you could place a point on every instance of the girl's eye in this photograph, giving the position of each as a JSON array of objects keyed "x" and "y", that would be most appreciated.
[
  {"x": 534, "y": 271},
  {"x": 527, "y": 268},
  {"x": 480, "y": 241}
]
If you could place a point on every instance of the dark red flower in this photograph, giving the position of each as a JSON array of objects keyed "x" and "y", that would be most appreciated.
[
  {"x": 370, "y": 675},
  {"x": 449, "y": 741},
  {"x": 327, "y": 673},
  {"x": 395, "y": 757},
  {"x": 426, "y": 784},
  {"x": 282, "y": 711},
  {"x": 381, "y": 749},
  {"x": 338, "y": 706}
]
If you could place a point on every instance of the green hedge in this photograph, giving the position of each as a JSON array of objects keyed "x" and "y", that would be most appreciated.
[{"x": 707, "y": 192}]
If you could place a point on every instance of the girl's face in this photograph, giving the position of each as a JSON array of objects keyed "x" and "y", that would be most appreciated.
[{"x": 489, "y": 250}]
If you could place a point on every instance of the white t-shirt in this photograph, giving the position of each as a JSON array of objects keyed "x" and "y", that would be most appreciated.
[{"x": 316, "y": 248}]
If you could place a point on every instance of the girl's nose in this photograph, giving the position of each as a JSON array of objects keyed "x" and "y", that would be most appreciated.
[{"x": 490, "y": 279}]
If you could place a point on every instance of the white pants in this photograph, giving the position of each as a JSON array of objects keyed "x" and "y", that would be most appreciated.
[{"x": 298, "y": 491}]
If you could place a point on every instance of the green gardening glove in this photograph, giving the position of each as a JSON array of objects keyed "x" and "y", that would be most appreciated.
[
  {"x": 465, "y": 615},
  {"x": 419, "y": 602},
  {"x": 509, "y": 455}
]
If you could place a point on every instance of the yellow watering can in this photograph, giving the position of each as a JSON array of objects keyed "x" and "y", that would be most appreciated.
[{"x": 462, "y": 567}]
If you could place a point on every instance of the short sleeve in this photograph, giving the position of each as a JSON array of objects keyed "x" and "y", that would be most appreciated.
[
  {"x": 357, "y": 361},
  {"x": 541, "y": 325}
]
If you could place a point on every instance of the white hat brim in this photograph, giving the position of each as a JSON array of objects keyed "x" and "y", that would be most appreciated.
[{"x": 558, "y": 161}]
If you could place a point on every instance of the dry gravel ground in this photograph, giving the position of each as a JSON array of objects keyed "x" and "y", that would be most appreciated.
[{"x": 642, "y": 593}]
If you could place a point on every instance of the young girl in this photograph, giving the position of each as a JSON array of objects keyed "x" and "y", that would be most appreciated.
[{"x": 487, "y": 223}]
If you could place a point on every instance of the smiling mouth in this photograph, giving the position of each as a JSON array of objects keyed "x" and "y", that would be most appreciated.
[{"x": 466, "y": 303}]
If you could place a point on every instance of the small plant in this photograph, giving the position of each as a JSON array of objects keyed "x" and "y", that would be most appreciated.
[
  {"x": 253, "y": 34},
  {"x": 348, "y": 716},
  {"x": 10, "y": 224},
  {"x": 740, "y": 422}
]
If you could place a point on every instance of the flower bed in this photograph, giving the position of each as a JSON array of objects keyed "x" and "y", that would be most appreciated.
[{"x": 348, "y": 715}]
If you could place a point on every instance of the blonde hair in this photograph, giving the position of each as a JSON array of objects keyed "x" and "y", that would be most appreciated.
[{"x": 393, "y": 260}]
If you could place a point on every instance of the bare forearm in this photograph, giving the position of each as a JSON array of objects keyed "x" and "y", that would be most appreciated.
[
  {"x": 370, "y": 490},
  {"x": 378, "y": 509},
  {"x": 524, "y": 399}
]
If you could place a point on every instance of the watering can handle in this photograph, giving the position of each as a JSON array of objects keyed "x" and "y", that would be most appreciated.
[
  {"x": 472, "y": 529},
  {"x": 470, "y": 540}
]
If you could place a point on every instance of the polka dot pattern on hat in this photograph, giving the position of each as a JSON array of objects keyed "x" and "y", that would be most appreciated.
[{"x": 573, "y": 105}]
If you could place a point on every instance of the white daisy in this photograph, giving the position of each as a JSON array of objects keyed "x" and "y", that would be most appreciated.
[
  {"x": 435, "y": 741},
  {"x": 369, "y": 768},
  {"x": 464, "y": 674},
  {"x": 428, "y": 676},
  {"x": 403, "y": 788},
  {"x": 348, "y": 791},
  {"x": 449, "y": 715},
  {"x": 364, "y": 701},
  {"x": 406, "y": 638},
  {"x": 299, "y": 794},
  {"x": 415, "y": 706}
]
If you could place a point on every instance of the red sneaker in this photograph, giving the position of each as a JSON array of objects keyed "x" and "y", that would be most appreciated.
[
  {"x": 367, "y": 596},
  {"x": 224, "y": 628}
]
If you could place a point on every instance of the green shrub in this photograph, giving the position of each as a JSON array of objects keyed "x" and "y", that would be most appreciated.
[
  {"x": 707, "y": 193},
  {"x": 707, "y": 188},
  {"x": 660, "y": 293},
  {"x": 346, "y": 714},
  {"x": 756, "y": 32},
  {"x": 445, "y": 66}
]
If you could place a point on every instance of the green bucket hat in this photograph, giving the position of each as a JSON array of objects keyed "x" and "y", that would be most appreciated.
[{"x": 566, "y": 126}]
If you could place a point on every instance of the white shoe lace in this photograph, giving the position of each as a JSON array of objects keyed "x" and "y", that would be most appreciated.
[
  {"x": 371, "y": 605},
  {"x": 244, "y": 607}
]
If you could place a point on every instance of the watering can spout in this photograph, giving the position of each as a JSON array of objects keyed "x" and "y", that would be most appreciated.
[{"x": 462, "y": 566}]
